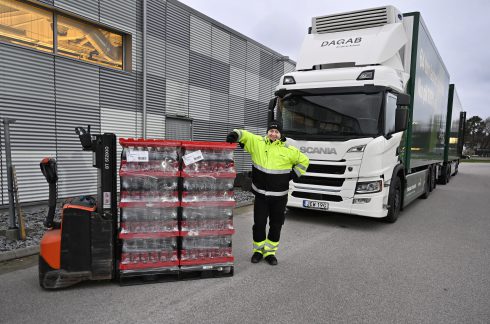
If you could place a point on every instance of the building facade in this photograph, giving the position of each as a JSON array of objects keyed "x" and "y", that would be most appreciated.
[{"x": 109, "y": 64}]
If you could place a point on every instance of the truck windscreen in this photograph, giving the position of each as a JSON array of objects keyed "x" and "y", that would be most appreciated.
[{"x": 330, "y": 116}]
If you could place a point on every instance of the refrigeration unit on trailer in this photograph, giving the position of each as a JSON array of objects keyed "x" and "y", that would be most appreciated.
[{"x": 367, "y": 103}]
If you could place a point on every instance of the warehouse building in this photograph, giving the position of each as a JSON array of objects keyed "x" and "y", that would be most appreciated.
[{"x": 154, "y": 69}]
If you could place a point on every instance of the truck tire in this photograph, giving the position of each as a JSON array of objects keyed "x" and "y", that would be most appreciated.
[
  {"x": 394, "y": 200},
  {"x": 428, "y": 184},
  {"x": 433, "y": 181}
]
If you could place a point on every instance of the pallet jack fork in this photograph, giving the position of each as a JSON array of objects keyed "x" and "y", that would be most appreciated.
[{"x": 82, "y": 246}]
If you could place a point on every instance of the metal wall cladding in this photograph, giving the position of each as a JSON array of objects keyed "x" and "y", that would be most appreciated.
[
  {"x": 155, "y": 18},
  {"x": 155, "y": 126},
  {"x": 155, "y": 94},
  {"x": 200, "y": 36},
  {"x": 220, "y": 76},
  {"x": 117, "y": 91},
  {"x": 237, "y": 110},
  {"x": 200, "y": 130},
  {"x": 178, "y": 129},
  {"x": 289, "y": 67},
  {"x": 77, "y": 104},
  {"x": 218, "y": 131},
  {"x": 219, "y": 107},
  {"x": 238, "y": 52},
  {"x": 237, "y": 81},
  {"x": 252, "y": 86},
  {"x": 178, "y": 26},
  {"x": 199, "y": 103},
  {"x": 177, "y": 98},
  {"x": 28, "y": 95},
  {"x": 177, "y": 63},
  {"x": 86, "y": 8},
  {"x": 266, "y": 65},
  {"x": 253, "y": 58},
  {"x": 220, "y": 45},
  {"x": 199, "y": 70}
]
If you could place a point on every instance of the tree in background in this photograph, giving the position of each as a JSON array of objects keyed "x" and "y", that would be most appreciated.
[{"x": 477, "y": 135}]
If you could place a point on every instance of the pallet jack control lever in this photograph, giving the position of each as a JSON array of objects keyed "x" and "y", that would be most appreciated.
[
  {"x": 50, "y": 171},
  {"x": 85, "y": 138}
]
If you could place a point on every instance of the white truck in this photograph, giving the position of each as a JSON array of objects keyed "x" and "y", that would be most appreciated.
[{"x": 368, "y": 104}]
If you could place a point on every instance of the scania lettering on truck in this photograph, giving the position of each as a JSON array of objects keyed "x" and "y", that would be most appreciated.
[{"x": 368, "y": 104}]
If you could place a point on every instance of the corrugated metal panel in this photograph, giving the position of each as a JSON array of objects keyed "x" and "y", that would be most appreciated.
[
  {"x": 200, "y": 36},
  {"x": 237, "y": 81},
  {"x": 200, "y": 130},
  {"x": 177, "y": 63},
  {"x": 252, "y": 86},
  {"x": 266, "y": 62},
  {"x": 155, "y": 56},
  {"x": 199, "y": 103},
  {"x": 218, "y": 131},
  {"x": 86, "y": 8},
  {"x": 238, "y": 52},
  {"x": 219, "y": 107},
  {"x": 117, "y": 91},
  {"x": 120, "y": 14},
  {"x": 200, "y": 70},
  {"x": 220, "y": 76},
  {"x": 77, "y": 104},
  {"x": 237, "y": 110},
  {"x": 265, "y": 90},
  {"x": 289, "y": 67},
  {"x": 155, "y": 18},
  {"x": 49, "y": 2},
  {"x": 221, "y": 45},
  {"x": 277, "y": 72},
  {"x": 177, "y": 99},
  {"x": 178, "y": 129},
  {"x": 178, "y": 26},
  {"x": 155, "y": 126},
  {"x": 155, "y": 94},
  {"x": 253, "y": 58},
  {"x": 27, "y": 94},
  {"x": 253, "y": 115}
]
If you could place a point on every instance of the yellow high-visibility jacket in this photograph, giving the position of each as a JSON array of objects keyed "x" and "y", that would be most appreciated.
[{"x": 273, "y": 163}]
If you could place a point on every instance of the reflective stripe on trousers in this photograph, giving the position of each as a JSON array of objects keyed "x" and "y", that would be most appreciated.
[
  {"x": 270, "y": 247},
  {"x": 258, "y": 247}
]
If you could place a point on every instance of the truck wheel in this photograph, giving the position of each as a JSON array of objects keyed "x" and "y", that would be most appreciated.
[
  {"x": 433, "y": 180},
  {"x": 443, "y": 179},
  {"x": 394, "y": 201},
  {"x": 428, "y": 184}
]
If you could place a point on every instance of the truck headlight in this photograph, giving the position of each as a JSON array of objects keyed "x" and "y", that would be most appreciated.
[
  {"x": 288, "y": 80},
  {"x": 369, "y": 187},
  {"x": 359, "y": 148}
]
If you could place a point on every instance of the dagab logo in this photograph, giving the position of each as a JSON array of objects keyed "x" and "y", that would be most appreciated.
[{"x": 343, "y": 42}]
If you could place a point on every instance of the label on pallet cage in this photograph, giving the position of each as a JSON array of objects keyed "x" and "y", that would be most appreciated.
[
  {"x": 107, "y": 199},
  {"x": 137, "y": 156},
  {"x": 193, "y": 157}
]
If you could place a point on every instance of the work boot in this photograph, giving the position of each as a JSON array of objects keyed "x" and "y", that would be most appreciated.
[
  {"x": 271, "y": 259},
  {"x": 256, "y": 257}
]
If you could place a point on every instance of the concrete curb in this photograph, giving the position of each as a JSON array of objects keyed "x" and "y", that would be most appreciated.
[
  {"x": 31, "y": 250},
  {"x": 19, "y": 253}
]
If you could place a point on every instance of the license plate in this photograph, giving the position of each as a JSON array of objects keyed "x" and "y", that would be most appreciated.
[{"x": 315, "y": 204}]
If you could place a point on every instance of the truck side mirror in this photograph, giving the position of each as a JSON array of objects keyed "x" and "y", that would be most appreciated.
[
  {"x": 401, "y": 118},
  {"x": 402, "y": 99},
  {"x": 270, "y": 112}
]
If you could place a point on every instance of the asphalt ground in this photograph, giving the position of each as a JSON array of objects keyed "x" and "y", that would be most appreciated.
[{"x": 431, "y": 266}]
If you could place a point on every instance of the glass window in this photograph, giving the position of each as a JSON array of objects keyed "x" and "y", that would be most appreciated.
[
  {"x": 390, "y": 113},
  {"x": 89, "y": 43},
  {"x": 27, "y": 25}
]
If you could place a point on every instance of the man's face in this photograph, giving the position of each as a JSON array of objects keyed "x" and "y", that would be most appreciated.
[{"x": 273, "y": 134}]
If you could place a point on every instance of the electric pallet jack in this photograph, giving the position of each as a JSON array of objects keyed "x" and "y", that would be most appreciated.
[{"x": 82, "y": 247}]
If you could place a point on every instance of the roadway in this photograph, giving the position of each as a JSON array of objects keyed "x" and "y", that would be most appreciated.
[{"x": 431, "y": 266}]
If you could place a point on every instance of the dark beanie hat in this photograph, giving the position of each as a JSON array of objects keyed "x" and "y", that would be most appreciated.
[{"x": 276, "y": 125}]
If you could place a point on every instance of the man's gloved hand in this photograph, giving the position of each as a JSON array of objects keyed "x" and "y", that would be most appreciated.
[{"x": 232, "y": 137}]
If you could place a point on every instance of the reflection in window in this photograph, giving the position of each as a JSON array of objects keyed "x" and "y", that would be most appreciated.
[
  {"x": 90, "y": 43},
  {"x": 23, "y": 24}
]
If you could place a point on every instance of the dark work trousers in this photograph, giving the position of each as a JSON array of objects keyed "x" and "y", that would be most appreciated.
[{"x": 272, "y": 208}]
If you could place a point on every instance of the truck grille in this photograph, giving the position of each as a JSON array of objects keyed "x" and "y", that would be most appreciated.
[
  {"x": 316, "y": 196},
  {"x": 328, "y": 169},
  {"x": 320, "y": 181},
  {"x": 351, "y": 20}
]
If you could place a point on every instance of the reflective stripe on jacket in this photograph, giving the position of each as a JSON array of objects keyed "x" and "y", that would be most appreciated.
[{"x": 272, "y": 163}]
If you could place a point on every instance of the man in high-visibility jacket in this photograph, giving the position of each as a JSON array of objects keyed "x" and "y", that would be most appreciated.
[{"x": 275, "y": 163}]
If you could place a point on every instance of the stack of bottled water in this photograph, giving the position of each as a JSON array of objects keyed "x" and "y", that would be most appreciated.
[
  {"x": 149, "y": 203},
  {"x": 206, "y": 226}
]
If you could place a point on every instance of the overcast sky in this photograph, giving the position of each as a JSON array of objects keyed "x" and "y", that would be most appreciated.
[{"x": 460, "y": 29}]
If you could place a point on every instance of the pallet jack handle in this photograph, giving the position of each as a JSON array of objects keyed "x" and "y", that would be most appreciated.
[
  {"x": 50, "y": 172},
  {"x": 85, "y": 138}
]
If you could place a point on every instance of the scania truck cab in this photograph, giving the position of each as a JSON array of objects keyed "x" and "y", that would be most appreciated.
[{"x": 367, "y": 104}]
